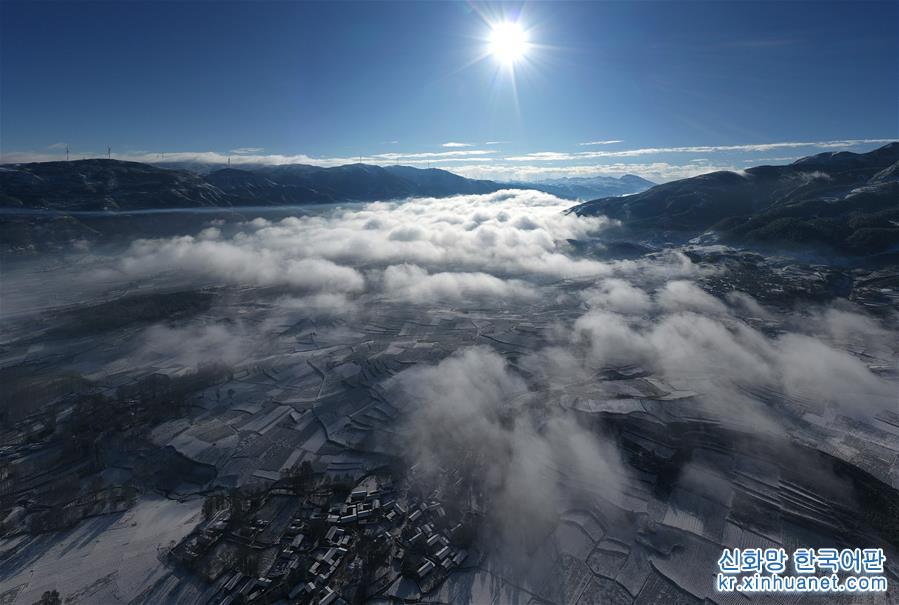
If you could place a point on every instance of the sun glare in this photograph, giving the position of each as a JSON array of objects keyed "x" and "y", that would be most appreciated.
[{"x": 508, "y": 42}]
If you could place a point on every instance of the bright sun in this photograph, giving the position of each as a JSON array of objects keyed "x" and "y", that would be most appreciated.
[{"x": 508, "y": 42}]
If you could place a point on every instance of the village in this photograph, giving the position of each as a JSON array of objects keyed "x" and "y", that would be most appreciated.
[{"x": 286, "y": 478}]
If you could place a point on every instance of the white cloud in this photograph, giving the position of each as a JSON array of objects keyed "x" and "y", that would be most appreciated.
[
  {"x": 414, "y": 284},
  {"x": 245, "y": 259},
  {"x": 619, "y": 296},
  {"x": 512, "y": 246},
  {"x": 455, "y": 144},
  {"x": 609, "y": 142},
  {"x": 787, "y": 158},
  {"x": 250, "y": 158},
  {"x": 682, "y": 295},
  {"x": 246, "y": 150},
  {"x": 472, "y": 413},
  {"x": 543, "y": 156},
  {"x": 194, "y": 344},
  {"x": 656, "y": 171},
  {"x": 430, "y": 155},
  {"x": 421, "y": 250},
  {"x": 553, "y": 156},
  {"x": 696, "y": 341}
]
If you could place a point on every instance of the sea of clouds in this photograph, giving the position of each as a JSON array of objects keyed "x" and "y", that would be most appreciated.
[
  {"x": 514, "y": 246},
  {"x": 504, "y": 249}
]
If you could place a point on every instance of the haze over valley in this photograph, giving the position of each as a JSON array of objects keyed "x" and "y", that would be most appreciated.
[{"x": 535, "y": 362}]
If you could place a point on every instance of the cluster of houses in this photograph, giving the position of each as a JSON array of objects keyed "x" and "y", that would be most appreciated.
[
  {"x": 431, "y": 545},
  {"x": 359, "y": 506},
  {"x": 296, "y": 548},
  {"x": 418, "y": 540},
  {"x": 331, "y": 554}
]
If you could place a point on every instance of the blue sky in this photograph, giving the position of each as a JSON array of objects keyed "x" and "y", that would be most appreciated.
[{"x": 681, "y": 87}]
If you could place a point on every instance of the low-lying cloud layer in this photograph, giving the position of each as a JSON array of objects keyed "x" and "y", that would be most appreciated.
[
  {"x": 511, "y": 247},
  {"x": 497, "y": 411},
  {"x": 422, "y": 250},
  {"x": 531, "y": 459},
  {"x": 701, "y": 342},
  {"x": 473, "y": 414}
]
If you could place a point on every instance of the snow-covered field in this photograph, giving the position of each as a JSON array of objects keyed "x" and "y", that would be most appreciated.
[{"x": 107, "y": 559}]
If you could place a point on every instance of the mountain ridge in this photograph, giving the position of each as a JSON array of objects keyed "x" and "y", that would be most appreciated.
[
  {"x": 843, "y": 200},
  {"x": 109, "y": 185}
]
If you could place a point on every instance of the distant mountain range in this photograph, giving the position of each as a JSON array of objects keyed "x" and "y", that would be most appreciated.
[
  {"x": 103, "y": 184},
  {"x": 98, "y": 185},
  {"x": 573, "y": 188},
  {"x": 846, "y": 201}
]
